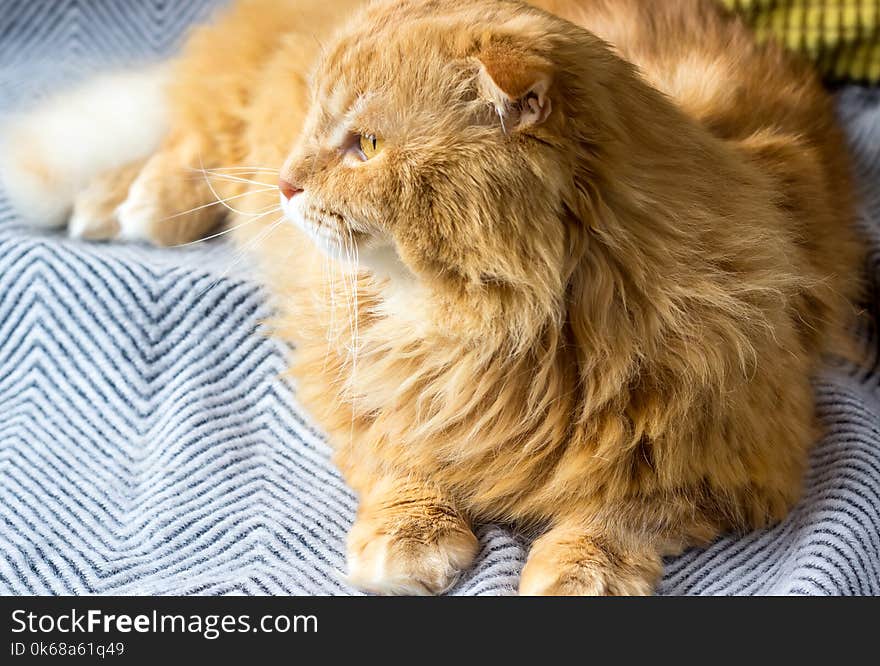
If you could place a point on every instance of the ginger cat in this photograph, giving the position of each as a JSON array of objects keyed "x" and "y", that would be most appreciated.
[{"x": 569, "y": 267}]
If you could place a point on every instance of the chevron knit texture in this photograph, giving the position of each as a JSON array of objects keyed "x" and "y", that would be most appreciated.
[{"x": 149, "y": 446}]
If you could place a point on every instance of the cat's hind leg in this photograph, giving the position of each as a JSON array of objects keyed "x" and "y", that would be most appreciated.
[
  {"x": 51, "y": 153},
  {"x": 161, "y": 200},
  {"x": 172, "y": 200},
  {"x": 94, "y": 208}
]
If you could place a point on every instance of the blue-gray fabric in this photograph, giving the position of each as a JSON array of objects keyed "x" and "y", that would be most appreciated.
[{"x": 148, "y": 444}]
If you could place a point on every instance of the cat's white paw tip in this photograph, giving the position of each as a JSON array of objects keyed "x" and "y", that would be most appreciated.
[
  {"x": 389, "y": 564},
  {"x": 86, "y": 227},
  {"x": 380, "y": 569},
  {"x": 136, "y": 218},
  {"x": 78, "y": 226}
]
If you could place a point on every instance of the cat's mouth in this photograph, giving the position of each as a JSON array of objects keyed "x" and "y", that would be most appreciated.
[
  {"x": 328, "y": 230},
  {"x": 347, "y": 243}
]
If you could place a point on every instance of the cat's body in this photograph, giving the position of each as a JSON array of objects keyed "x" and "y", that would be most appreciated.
[{"x": 590, "y": 303}]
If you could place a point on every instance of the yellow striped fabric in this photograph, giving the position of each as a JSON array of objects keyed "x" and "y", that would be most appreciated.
[{"x": 841, "y": 36}]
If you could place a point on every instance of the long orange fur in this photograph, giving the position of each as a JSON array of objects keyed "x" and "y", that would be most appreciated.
[{"x": 600, "y": 325}]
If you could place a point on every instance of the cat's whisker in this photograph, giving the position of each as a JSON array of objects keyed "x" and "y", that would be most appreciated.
[
  {"x": 240, "y": 255},
  {"x": 219, "y": 198},
  {"x": 335, "y": 331},
  {"x": 226, "y": 200},
  {"x": 355, "y": 289},
  {"x": 229, "y": 178},
  {"x": 342, "y": 264},
  {"x": 352, "y": 260},
  {"x": 319, "y": 43},
  {"x": 350, "y": 286},
  {"x": 207, "y": 174},
  {"x": 274, "y": 209},
  {"x": 237, "y": 169},
  {"x": 331, "y": 272},
  {"x": 246, "y": 175},
  {"x": 260, "y": 237}
]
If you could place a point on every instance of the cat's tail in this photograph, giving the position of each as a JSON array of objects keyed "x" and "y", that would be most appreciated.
[{"x": 51, "y": 153}]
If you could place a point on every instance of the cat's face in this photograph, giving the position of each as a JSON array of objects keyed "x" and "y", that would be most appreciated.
[{"x": 432, "y": 151}]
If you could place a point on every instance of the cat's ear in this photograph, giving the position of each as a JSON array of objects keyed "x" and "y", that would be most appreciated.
[{"x": 517, "y": 85}]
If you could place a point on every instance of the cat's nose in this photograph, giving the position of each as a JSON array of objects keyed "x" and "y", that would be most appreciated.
[{"x": 288, "y": 189}]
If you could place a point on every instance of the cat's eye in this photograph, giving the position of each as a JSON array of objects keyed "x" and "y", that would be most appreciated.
[{"x": 370, "y": 145}]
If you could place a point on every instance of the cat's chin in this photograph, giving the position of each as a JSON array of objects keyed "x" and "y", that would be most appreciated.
[
  {"x": 325, "y": 239},
  {"x": 375, "y": 253}
]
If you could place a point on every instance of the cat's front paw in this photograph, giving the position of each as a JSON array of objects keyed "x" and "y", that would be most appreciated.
[
  {"x": 389, "y": 553},
  {"x": 561, "y": 564}
]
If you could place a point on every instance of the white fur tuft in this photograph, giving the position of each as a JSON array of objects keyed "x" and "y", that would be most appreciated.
[
  {"x": 51, "y": 153},
  {"x": 136, "y": 213}
]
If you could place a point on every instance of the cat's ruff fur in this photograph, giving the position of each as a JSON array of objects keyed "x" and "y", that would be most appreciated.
[{"x": 591, "y": 296}]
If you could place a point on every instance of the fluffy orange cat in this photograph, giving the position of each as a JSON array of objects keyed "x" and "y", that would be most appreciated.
[{"x": 568, "y": 267}]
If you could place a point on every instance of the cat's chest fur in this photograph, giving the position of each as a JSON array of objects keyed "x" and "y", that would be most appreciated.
[{"x": 392, "y": 390}]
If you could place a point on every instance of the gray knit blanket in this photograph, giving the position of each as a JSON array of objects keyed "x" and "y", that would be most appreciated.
[{"x": 148, "y": 444}]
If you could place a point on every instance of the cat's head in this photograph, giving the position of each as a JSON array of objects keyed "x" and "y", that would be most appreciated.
[{"x": 446, "y": 144}]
